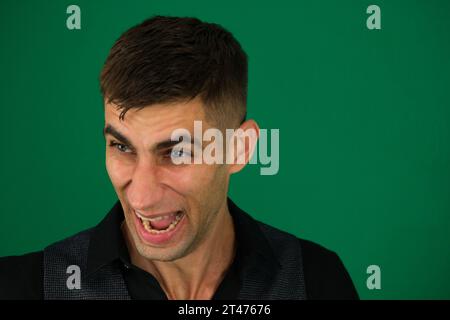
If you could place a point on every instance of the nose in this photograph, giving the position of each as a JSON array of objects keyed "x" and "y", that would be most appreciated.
[{"x": 145, "y": 190}]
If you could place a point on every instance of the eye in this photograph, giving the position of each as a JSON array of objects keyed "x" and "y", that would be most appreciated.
[
  {"x": 120, "y": 146},
  {"x": 179, "y": 153}
]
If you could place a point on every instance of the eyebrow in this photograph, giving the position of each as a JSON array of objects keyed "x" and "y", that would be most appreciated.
[{"x": 110, "y": 130}]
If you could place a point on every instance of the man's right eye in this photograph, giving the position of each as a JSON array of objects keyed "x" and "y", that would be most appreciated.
[{"x": 120, "y": 146}]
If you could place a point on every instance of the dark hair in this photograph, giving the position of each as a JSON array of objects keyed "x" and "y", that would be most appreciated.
[{"x": 172, "y": 59}]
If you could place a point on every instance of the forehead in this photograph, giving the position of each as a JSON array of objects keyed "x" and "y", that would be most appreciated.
[{"x": 157, "y": 117}]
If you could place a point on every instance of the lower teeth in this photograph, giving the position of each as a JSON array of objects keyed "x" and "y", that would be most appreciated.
[{"x": 149, "y": 228}]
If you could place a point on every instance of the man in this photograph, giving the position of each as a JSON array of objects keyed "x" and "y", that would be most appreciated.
[{"x": 174, "y": 234}]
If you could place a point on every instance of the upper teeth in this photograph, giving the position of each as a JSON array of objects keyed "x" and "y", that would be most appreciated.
[{"x": 156, "y": 218}]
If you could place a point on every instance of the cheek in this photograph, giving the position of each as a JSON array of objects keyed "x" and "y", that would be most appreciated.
[
  {"x": 197, "y": 180},
  {"x": 119, "y": 171}
]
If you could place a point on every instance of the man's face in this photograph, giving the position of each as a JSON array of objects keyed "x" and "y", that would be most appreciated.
[{"x": 182, "y": 201}]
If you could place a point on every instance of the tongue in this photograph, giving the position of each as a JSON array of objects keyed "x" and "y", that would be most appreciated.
[{"x": 163, "y": 223}]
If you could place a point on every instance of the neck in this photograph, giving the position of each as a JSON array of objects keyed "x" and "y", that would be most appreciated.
[{"x": 197, "y": 275}]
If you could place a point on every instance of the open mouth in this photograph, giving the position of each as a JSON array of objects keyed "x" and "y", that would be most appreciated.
[{"x": 160, "y": 224}]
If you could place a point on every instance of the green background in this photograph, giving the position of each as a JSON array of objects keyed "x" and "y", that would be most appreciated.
[{"x": 364, "y": 119}]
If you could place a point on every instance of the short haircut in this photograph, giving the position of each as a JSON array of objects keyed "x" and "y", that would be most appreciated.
[{"x": 172, "y": 59}]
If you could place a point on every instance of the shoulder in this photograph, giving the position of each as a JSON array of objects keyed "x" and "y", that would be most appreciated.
[
  {"x": 21, "y": 276},
  {"x": 325, "y": 275}
]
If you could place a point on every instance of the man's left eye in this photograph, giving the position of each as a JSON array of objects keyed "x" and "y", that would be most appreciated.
[{"x": 178, "y": 153}]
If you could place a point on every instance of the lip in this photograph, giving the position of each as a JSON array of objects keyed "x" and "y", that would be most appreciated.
[{"x": 161, "y": 238}]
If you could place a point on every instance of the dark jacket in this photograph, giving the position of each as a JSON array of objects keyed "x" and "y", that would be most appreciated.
[{"x": 269, "y": 264}]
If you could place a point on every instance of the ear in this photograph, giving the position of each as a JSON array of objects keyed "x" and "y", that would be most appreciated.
[{"x": 241, "y": 145}]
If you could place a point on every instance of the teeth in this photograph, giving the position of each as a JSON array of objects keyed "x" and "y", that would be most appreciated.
[
  {"x": 148, "y": 227},
  {"x": 157, "y": 218}
]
